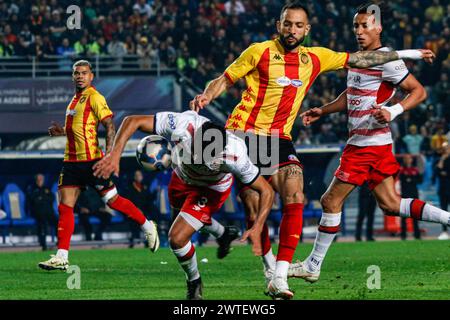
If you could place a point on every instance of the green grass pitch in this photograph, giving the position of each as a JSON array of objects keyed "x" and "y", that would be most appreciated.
[{"x": 409, "y": 270}]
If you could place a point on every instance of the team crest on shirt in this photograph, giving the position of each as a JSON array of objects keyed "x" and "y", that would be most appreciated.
[
  {"x": 71, "y": 113},
  {"x": 304, "y": 58},
  {"x": 83, "y": 99}
]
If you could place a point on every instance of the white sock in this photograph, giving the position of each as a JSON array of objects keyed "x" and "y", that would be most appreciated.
[
  {"x": 216, "y": 229},
  {"x": 147, "y": 226},
  {"x": 63, "y": 253},
  {"x": 269, "y": 261},
  {"x": 281, "y": 269},
  {"x": 190, "y": 265},
  {"x": 429, "y": 213},
  {"x": 323, "y": 241}
]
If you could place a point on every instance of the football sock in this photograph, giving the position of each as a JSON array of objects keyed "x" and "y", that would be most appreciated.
[
  {"x": 328, "y": 227},
  {"x": 419, "y": 210},
  {"x": 216, "y": 229},
  {"x": 66, "y": 225},
  {"x": 63, "y": 253},
  {"x": 290, "y": 231},
  {"x": 188, "y": 260},
  {"x": 129, "y": 209},
  {"x": 269, "y": 260},
  {"x": 147, "y": 226}
]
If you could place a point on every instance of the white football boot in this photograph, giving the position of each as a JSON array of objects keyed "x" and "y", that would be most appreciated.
[
  {"x": 278, "y": 289},
  {"x": 54, "y": 263},
  {"x": 299, "y": 270},
  {"x": 152, "y": 237}
]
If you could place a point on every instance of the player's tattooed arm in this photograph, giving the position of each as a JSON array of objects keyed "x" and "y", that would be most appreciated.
[
  {"x": 110, "y": 133},
  {"x": 367, "y": 59}
]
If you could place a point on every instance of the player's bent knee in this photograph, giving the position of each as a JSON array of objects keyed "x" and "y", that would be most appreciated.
[{"x": 329, "y": 204}]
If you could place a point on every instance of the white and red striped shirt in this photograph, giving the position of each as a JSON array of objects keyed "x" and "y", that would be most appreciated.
[{"x": 367, "y": 88}]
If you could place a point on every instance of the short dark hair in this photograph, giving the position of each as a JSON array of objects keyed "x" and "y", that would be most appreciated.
[
  {"x": 219, "y": 142},
  {"x": 365, "y": 7},
  {"x": 294, "y": 5},
  {"x": 80, "y": 63}
]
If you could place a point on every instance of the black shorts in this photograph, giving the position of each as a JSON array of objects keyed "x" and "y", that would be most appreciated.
[{"x": 80, "y": 175}]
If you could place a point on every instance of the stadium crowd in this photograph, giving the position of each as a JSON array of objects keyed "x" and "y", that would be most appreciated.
[{"x": 200, "y": 38}]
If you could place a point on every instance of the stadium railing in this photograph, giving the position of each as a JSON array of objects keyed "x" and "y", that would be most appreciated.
[{"x": 49, "y": 66}]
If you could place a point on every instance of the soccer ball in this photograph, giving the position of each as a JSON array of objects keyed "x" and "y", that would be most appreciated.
[{"x": 153, "y": 153}]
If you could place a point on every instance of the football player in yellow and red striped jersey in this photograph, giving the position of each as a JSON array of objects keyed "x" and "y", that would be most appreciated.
[
  {"x": 279, "y": 74},
  {"x": 87, "y": 109}
]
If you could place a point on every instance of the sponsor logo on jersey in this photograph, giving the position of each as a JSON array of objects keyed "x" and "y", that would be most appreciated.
[
  {"x": 71, "y": 113},
  {"x": 354, "y": 102},
  {"x": 171, "y": 121},
  {"x": 283, "y": 81},
  {"x": 400, "y": 67},
  {"x": 296, "y": 83}
]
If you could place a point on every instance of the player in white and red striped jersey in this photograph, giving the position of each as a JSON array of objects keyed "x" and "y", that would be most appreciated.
[
  {"x": 368, "y": 154},
  {"x": 201, "y": 181}
]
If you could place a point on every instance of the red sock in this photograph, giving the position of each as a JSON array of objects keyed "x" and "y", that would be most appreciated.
[
  {"x": 128, "y": 208},
  {"x": 416, "y": 209},
  {"x": 265, "y": 239},
  {"x": 290, "y": 231},
  {"x": 66, "y": 225}
]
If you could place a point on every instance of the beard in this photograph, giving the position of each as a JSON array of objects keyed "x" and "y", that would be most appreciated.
[{"x": 286, "y": 45}]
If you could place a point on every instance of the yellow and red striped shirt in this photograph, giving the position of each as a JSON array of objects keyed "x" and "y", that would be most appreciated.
[
  {"x": 83, "y": 115},
  {"x": 277, "y": 82}
]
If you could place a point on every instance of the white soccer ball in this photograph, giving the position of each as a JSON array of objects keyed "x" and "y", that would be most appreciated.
[{"x": 153, "y": 153}]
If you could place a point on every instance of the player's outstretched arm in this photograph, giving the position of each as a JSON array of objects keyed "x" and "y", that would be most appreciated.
[
  {"x": 110, "y": 163},
  {"x": 214, "y": 89},
  {"x": 367, "y": 59},
  {"x": 266, "y": 196},
  {"x": 416, "y": 95},
  {"x": 314, "y": 114}
]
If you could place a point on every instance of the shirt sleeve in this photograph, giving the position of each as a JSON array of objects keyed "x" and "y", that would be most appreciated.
[
  {"x": 330, "y": 60},
  {"x": 100, "y": 107},
  {"x": 245, "y": 63},
  {"x": 166, "y": 123},
  {"x": 395, "y": 72}
]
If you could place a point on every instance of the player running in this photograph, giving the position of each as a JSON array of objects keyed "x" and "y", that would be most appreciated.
[
  {"x": 368, "y": 155},
  {"x": 279, "y": 74},
  {"x": 200, "y": 183},
  {"x": 87, "y": 108}
]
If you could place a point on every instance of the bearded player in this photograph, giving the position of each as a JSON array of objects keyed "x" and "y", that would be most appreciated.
[
  {"x": 201, "y": 181},
  {"x": 368, "y": 154},
  {"x": 279, "y": 74},
  {"x": 87, "y": 109}
]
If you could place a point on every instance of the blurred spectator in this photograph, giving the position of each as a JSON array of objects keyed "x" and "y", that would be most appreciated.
[
  {"x": 40, "y": 202},
  {"x": 147, "y": 55},
  {"x": 6, "y": 48},
  {"x": 143, "y": 8},
  {"x": 438, "y": 140},
  {"x": 413, "y": 140},
  {"x": 138, "y": 194},
  {"x": 117, "y": 49},
  {"x": 57, "y": 26},
  {"x": 65, "y": 49},
  {"x": 326, "y": 135},
  {"x": 366, "y": 208},
  {"x": 443, "y": 174},
  {"x": 410, "y": 176},
  {"x": 89, "y": 205},
  {"x": 234, "y": 7},
  {"x": 81, "y": 47}
]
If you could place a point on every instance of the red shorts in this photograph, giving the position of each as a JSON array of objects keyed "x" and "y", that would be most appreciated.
[
  {"x": 199, "y": 202},
  {"x": 372, "y": 164}
]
